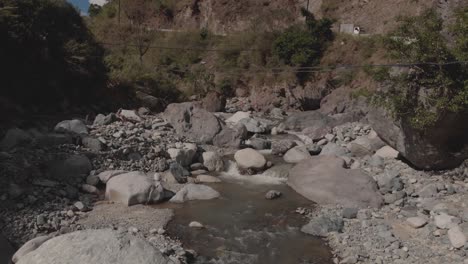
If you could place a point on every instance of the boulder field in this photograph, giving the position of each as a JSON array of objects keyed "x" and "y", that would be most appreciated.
[{"x": 63, "y": 187}]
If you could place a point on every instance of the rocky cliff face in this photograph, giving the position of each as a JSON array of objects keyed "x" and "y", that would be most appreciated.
[
  {"x": 223, "y": 17},
  {"x": 373, "y": 16}
]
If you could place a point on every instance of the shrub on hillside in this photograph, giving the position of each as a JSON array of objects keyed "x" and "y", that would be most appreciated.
[{"x": 304, "y": 45}]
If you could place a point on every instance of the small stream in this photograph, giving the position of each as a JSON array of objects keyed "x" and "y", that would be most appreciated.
[{"x": 242, "y": 227}]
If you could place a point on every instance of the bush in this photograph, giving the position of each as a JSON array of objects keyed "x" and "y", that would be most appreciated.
[
  {"x": 304, "y": 46},
  {"x": 427, "y": 91}
]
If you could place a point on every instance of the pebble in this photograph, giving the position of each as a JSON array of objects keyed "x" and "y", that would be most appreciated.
[
  {"x": 195, "y": 224},
  {"x": 416, "y": 222}
]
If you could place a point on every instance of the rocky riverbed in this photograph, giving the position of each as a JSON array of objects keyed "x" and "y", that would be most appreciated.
[{"x": 372, "y": 206}]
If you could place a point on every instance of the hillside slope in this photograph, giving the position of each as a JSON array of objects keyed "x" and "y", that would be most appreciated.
[{"x": 374, "y": 16}]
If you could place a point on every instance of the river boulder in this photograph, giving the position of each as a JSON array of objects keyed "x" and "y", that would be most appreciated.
[
  {"x": 134, "y": 188},
  {"x": 324, "y": 180},
  {"x": 74, "y": 126},
  {"x": 441, "y": 146},
  {"x": 193, "y": 122},
  {"x": 231, "y": 136},
  {"x": 250, "y": 159},
  {"x": 95, "y": 246}
]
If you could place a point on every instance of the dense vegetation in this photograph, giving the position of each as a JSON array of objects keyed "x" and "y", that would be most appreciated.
[
  {"x": 173, "y": 65},
  {"x": 48, "y": 56},
  {"x": 436, "y": 86}
]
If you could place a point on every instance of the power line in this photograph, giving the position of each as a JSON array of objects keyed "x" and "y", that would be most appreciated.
[{"x": 192, "y": 48}]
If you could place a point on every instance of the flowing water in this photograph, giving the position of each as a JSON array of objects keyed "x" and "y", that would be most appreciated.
[{"x": 242, "y": 227}]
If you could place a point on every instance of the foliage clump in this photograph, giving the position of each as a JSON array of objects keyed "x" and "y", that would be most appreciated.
[
  {"x": 304, "y": 45},
  {"x": 435, "y": 86}
]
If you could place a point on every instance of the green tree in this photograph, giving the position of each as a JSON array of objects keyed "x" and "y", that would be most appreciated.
[
  {"x": 304, "y": 46},
  {"x": 434, "y": 86},
  {"x": 94, "y": 10}
]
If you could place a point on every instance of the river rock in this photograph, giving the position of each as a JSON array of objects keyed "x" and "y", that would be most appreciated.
[
  {"x": 193, "y": 122},
  {"x": 332, "y": 149},
  {"x": 102, "y": 120},
  {"x": 134, "y": 188},
  {"x": 231, "y": 137},
  {"x": 195, "y": 224},
  {"x": 74, "y": 126},
  {"x": 238, "y": 116},
  {"x": 6, "y": 250},
  {"x": 444, "y": 221},
  {"x": 105, "y": 176},
  {"x": 185, "y": 155},
  {"x": 178, "y": 172},
  {"x": 250, "y": 159},
  {"x": 194, "y": 192},
  {"x": 318, "y": 131},
  {"x": 29, "y": 246},
  {"x": 129, "y": 115},
  {"x": 324, "y": 180},
  {"x": 270, "y": 195},
  {"x": 282, "y": 146},
  {"x": 456, "y": 237},
  {"x": 95, "y": 246},
  {"x": 296, "y": 154},
  {"x": 416, "y": 222},
  {"x": 92, "y": 143},
  {"x": 387, "y": 152},
  {"x": 254, "y": 126},
  {"x": 13, "y": 138},
  {"x": 322, "y": 225},
  {"x": 213, "y": 161},
  {"x": 259, "y": 143},
  {"x": 443, "y": 145}
]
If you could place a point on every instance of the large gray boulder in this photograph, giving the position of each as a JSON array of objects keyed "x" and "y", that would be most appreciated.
[
  {"x": 74, "y": 126},
  {"x": 184, "y": 156},
  {"x": 29, "y": 246},
  {"x": 297, "y": 154},
  {"x": 442, "y": 146},
  {"x": 102, "y": 120},
  {"x": 250, "y": 159},
  {"x": 95, "y": 246},
  {"x": 193, "y": 122},
  {"x": 213, "y": 161},
  {"x": 324, "y": 180},
  {"x": 194, "y": 192},
  {"x": 134, "y": 188},
  {"x": 231, "y": 137},
  {"x": 6, "y": 250}
]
